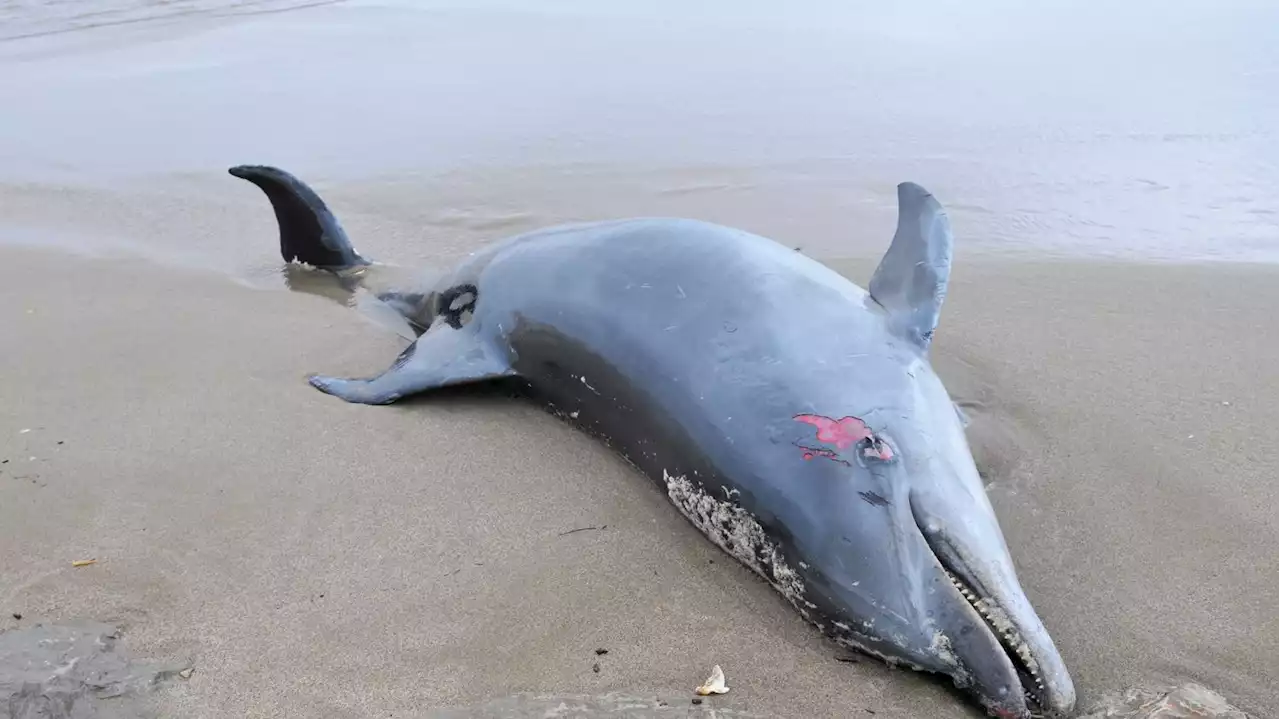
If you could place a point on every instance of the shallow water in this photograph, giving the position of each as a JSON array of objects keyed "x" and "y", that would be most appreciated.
[{"x": 1143, "y": 130}]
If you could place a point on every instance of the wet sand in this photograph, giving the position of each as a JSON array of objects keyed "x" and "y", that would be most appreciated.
[
  {"x": 1112, "y": 326},
  {"x": 317, "y": 559}
]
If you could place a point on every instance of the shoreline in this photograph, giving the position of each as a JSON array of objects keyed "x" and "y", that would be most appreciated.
[{"x": 411, "y": 217}]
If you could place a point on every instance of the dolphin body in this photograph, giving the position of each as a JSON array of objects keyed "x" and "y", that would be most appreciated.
[{"x": 789, "y": 414}]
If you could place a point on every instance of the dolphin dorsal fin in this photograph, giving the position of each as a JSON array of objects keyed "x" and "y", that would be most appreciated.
[{"x": 911, "y": 281}]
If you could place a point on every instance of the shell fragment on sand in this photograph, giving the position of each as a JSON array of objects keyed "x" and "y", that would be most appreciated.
[{"x": 714, "y": 683}]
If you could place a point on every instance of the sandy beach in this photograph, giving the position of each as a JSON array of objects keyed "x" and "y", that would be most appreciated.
[
  {"x": 1115, "y": 344},
  {"x": 315, "y": 559}
]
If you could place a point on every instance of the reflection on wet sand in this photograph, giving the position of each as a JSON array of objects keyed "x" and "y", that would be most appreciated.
[{"x": 347, "y": 291}]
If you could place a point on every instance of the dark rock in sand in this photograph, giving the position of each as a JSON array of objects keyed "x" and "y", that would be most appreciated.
[
  {"x": 63, "y": 671},
  {"x": 1189, "y": 701}
]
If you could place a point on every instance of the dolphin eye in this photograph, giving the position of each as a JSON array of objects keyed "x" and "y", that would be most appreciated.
[{"x": 877, "y": 448}]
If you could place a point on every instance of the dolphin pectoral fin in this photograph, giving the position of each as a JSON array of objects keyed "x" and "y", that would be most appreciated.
[
  {"x": 383, "y": 389},
  {"x": 911, "y": 281},
  {"x": 309, "y": 232},
  {"x": 440, "y": 358}
]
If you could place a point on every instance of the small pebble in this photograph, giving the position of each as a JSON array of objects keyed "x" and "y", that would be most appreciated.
[
  {"x": 696, "y": 700},
  {"x": 17, "y": 616},
  {"x": 601, "y": 652},
  {"x": 596, "y": 667}
]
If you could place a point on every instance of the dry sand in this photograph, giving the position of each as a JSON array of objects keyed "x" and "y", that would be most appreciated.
[{"x": 313, "y": 558}]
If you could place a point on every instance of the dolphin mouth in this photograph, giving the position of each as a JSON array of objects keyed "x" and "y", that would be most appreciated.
[
  {"x": 1007, "y": 636},
  {"x": 989, "y": 632}
]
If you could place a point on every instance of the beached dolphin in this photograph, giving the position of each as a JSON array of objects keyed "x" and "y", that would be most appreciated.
[{"x": 789, "y": 414}]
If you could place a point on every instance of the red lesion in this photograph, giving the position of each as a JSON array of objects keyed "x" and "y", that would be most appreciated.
[
  {"x": 811, "y": 452},
  {"x": 843, "y": 433}
]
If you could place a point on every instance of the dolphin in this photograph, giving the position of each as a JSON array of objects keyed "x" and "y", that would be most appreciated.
[{"x": 789, "y": 414}]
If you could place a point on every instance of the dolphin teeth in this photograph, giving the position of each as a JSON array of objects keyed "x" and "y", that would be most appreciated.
[{"x": 1006, "y": 635}]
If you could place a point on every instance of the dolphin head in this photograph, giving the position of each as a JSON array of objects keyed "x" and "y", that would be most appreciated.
[
  {"x": 903, "y": 555},
  {"x": 906, "y": 559}
]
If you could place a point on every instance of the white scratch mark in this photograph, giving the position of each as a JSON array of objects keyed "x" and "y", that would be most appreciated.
[
  {"x": 737, "y": 532},
  {"x": 940, "y": 645}
]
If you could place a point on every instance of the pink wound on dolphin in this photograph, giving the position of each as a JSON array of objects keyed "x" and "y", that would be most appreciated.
[{"x": 843, "y": 433}]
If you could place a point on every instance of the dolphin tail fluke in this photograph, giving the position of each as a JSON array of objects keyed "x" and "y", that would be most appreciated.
[{"x": 309, "y": 232}]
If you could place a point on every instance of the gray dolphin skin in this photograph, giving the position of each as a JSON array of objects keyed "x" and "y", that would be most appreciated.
[{"x": 789, "y": 414}]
